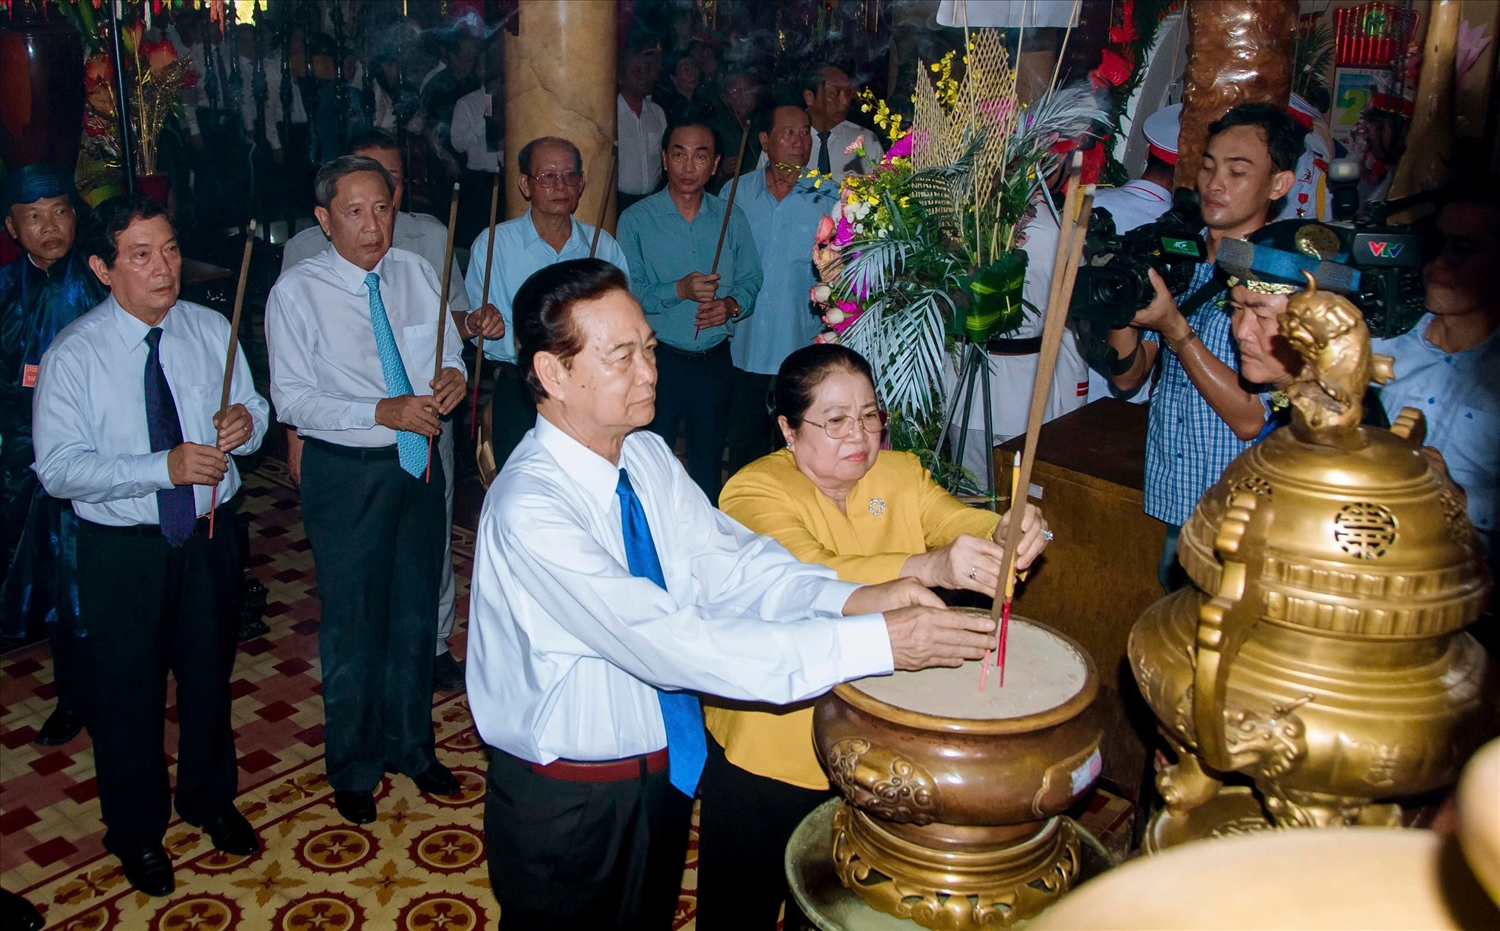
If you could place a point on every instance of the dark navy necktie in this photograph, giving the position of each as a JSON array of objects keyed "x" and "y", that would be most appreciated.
[
  {"x": 176, "y": 507},
  {"x": 825, "y": 165},
  {"x": 680, "y": 712}
]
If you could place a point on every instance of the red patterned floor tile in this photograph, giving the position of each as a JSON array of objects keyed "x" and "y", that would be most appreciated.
[
  {"x": 239, "y": 688},
  {"x": 83, "y": 792},
  {"x": 257, "y": 646},
  {"x": 24, "y": 666},
  {"x": 292, "y": 666},
  {"x": 19, "y": 737},
  {"x": 51, "y": 762},
  {"x": 276, "y": 711},
  {"x": 257, "y": 760},
  {"x": 17, "y": 819},
  {"x": 313, "y": 736},
  {"x": 307, "y": 627},
  {"x": 49, "y": 852},
  {"x": 45, "y": 691}
]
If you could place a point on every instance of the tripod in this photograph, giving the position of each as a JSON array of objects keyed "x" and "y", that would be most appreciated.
[{"x": 974, "y": 366}]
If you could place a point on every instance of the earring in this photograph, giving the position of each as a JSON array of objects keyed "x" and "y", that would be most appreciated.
[{"x": 789, "y": 446}]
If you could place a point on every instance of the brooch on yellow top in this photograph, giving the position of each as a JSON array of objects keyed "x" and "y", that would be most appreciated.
[{"x": 877, "y": 506}]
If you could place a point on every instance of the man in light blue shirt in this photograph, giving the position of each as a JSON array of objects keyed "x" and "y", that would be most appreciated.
[
  {"x": 552, "y": 183},
  {"x": 783, "y": 209},
  {"x": 670, "y": 239}
]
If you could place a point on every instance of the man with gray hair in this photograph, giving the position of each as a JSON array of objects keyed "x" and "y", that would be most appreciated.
[{"x": 352, "y": 335}]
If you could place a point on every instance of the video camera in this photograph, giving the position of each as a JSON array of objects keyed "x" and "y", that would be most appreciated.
[
  {"x": 1389, "y": 257},
  {"x": 1114, "y": 283}
]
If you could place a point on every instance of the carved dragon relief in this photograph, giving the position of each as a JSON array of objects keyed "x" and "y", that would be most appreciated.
[
  {"x": 882, "y": 782},
  {"x": 1328, "y": 393}
]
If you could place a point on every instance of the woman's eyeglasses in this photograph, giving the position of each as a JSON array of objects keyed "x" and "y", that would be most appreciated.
[
  {"x": 551, "y": 179},
  {"x": 842, "y": 426}
]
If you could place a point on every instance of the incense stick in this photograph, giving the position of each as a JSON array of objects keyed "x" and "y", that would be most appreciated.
[
  {"x": 489, "y": 260},
  {"x": 614, "y": 164},
  {"x": 734, "y": 186},
  {"x": 234, "y": 343},
  {"x": 442, "y": 329}
]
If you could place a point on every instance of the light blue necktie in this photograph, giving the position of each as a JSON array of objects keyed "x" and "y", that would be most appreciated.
[
  {"x": 680, "y": 713},
  {"x": 411, "y": 446}
]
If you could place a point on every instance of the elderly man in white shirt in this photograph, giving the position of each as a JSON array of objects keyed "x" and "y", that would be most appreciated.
[
  {"x": 606, "y": 591},
  {"x": 144, "y": 458},
  {"x": 427, "y": 237},
  {"x": 352, "y": 335},
  {"x": 828, "y": 92}
]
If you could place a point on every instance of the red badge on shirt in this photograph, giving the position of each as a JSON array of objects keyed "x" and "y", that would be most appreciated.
[{"x": 28, "y": 375}]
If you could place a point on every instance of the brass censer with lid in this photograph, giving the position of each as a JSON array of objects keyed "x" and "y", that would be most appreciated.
[{"x": 1321, "y": 655}]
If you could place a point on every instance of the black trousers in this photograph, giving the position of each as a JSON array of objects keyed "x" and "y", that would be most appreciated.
[
  {"x": 474, "y": 189},
  {"x": 692, "y": 388},
  {"x": 151, "y": 608},
  {"x": 377, "y": 542},
  {"x": 752, "y": 429},
  {"x": 585, "y": 855},
  {"x": 512, "y": 411},
  {"x": 744, "y": 824}
]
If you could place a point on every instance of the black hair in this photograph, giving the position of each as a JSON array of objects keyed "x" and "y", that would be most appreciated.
[
  {"x": 372, "y": 138},
  {"x": 1283, "y": 135},
  {"x": 113, "y": 217},
  {"x": 523, "y": 158},
  {"x": 815, "y": 77},
  {"x": 666, "y": 137},
  {"x": 543, "y": 311},
  {"x": 326, "y": 184},
  {"x": 804, "y": 370}
]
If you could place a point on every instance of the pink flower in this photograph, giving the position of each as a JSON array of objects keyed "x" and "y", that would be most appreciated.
[
  {"x": 825, "y": 230},
  {"x": 901, "y": 148},
  {"x": 845, "y": 233},
  {"x": 826, "y": 337},
  {"x": 858, "y": 145}
]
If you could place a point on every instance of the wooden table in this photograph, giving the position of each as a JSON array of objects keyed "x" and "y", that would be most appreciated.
[{"x": 1099, "y": 573}]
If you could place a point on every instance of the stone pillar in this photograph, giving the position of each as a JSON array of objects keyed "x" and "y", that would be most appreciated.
[
  {"x": 1239, "y": 51},
  {"x": 560, "y": 81}
]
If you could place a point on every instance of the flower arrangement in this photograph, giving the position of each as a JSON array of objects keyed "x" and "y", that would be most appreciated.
[
  {"x": 157, "y": 75},
  {"x": 1118, "y": 75},
  {"x": 925, "y": 249}
]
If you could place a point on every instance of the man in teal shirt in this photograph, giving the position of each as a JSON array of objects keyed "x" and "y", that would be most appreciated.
[
  {"x": 669, "y": 241},
  {"x": 552, "y": 183},
  {"x": 783, "y": 209}
]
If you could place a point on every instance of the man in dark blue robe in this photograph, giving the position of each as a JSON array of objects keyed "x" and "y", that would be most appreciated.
[{"x": 42, "y": 292}]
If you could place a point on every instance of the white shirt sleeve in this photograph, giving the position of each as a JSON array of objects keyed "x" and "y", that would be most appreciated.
[
  {"x": 291, "y": 345},
  {"x": 640, "y": 627},
  {"x": 67, "y": 462},
  {"x": 466, "y": 132}
]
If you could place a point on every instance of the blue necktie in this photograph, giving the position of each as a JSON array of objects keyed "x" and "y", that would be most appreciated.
[
  {"x": 825, "y": 166},
  {"x": 411, "y": 446},
  {"x": 176, "y": 507},
  {"x": 686, "y": 749}
]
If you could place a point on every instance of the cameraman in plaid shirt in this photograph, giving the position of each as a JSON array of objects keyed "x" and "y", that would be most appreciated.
[{"x": 1202, "y": 413}]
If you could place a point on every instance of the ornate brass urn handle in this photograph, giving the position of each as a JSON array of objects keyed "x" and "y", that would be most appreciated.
[{"x": 1224, "y": 624}]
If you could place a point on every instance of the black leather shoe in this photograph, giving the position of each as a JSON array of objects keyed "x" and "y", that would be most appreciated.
[
  {"x": 149, "y": 870},
  {"x": 62, "y": 726},
  {"x": 18, "y": 914},
  {"x": 437, "y": 780},
  {"x": 231, "y": 833},
  {"x": 447, "y": 673},
  {"x": 356, "y": 807}
]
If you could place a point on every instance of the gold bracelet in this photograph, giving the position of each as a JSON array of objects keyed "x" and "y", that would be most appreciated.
[{"x": 1178, "y": 344}]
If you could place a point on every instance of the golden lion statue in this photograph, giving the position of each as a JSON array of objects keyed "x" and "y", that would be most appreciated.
[{"x": 1330, "y": 335}]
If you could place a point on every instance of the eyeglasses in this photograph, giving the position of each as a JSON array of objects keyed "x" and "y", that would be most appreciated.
[
  {"x": 842, "y": 426},
  {"x": 697, "y": 158},
  {"x": 551, "y": 179}
]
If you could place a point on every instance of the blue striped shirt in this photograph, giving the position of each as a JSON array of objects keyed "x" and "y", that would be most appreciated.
[{"x": 1187, "y": 444}]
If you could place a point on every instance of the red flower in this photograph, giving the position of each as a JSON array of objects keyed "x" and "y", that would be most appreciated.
[
  {"x": 1113, "y": 70},
  {"x": 98, "y": 70},
  {"x": 1093, "y": 163},
  {"x": 158, "y": 54}
]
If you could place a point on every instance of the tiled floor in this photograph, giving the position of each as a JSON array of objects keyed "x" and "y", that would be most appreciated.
[{"x": 420, "y": 866}]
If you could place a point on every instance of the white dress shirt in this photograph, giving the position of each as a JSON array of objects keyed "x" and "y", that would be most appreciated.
[
  {"x": 567, "y": 648},
  {"x": 414, "y": 232},
  {"x": 520, "y": 252},
  {"x": 467, "y": 132},
  {"x": 93, "y": 446},
  {"x": 325, "y": 370},
  {"x": 840, "y": 138},
  {"x": 272, "y": 68},
  {"x": 640, "y": 145}
]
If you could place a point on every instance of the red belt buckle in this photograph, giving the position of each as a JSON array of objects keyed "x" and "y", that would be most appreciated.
[{"x": 605, "y": 771}]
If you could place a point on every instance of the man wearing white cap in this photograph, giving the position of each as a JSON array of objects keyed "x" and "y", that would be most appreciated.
[{"x": 1137, "y": 203}]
